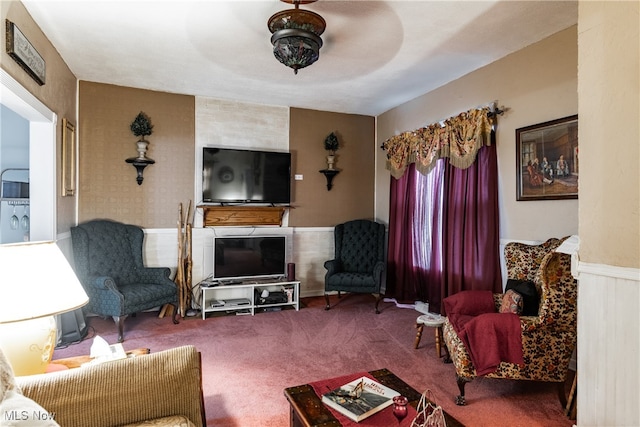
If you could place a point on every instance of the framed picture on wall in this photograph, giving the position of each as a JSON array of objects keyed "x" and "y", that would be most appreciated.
[
  {"x": 68, "y": 159},
  {"x": 23, "y": 52},
  {"x": 547, "y": 163}
]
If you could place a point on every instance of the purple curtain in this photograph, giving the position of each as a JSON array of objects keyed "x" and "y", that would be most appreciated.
[
  {"x": 413, "y": 224},
  {"x": 399, "y": 253},
  {"x": 444, "y": 231},
  {"x": 470, "y": 224},
  {"x": 431, "y": 230}
]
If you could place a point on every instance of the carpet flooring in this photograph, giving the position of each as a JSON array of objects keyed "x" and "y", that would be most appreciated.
[{"x": 249, "y": 360}]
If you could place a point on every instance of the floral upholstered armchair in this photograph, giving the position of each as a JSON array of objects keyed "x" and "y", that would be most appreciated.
[{"x": 548, "y": 337}]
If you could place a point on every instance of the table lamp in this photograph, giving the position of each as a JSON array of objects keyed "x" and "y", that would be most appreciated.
[{"x": 36, "y": 283}]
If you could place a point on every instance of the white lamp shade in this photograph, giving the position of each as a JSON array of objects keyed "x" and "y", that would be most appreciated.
[{"x": 36, "y": 280}]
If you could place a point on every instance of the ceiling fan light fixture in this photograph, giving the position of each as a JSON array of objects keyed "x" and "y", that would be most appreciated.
[
  {"x": 296, "y": 36},
  {"x": 296, "y": 48}
]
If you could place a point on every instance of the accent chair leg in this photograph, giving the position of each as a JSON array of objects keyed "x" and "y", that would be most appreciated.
[
  {"x": 175, "y": 314},
  {"x": 570, "y": 407},
  {"x": 460, "y": 400},
  {"x": 120, "y": 322},
  {"x": 326, "y": 298},
  {"x": 561, "y": 394},
  {"x": 419, "y": 327},
  {"x": 447, "y": 356},
  {"x": 377, "y": 296}
]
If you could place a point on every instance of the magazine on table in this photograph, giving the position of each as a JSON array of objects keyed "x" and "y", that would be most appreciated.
[{"x": 360, "y": 398}]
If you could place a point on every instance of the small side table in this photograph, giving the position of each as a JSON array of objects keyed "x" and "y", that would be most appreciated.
[
  {"x": 433, "y": 321},
  {"x": 78, "y": 361}
]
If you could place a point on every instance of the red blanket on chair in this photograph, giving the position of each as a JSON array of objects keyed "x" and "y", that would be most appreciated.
[{"x": 489, "y": 337}]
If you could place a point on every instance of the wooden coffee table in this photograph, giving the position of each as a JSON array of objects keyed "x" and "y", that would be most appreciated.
[{"x": 307, "y": 409}]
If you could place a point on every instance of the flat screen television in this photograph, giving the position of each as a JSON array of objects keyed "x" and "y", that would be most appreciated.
[
  {"x": 245, "y": 176},
  {"x": 245, "y": 257}
]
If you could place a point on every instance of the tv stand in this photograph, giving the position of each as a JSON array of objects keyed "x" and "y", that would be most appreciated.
[{"x": 240, "y": 298}]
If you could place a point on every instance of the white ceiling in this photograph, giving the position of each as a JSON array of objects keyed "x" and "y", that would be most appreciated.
[{"x": 376, "y": 54}]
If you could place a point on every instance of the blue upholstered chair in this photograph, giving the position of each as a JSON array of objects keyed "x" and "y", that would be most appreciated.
[
  {"x": 108, "y": 261},
  {"x": 359, "y": 261}
]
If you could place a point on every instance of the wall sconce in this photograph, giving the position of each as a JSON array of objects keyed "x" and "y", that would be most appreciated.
[
  {"x": 329, "y": 174},
  {"x": 140, "y": 164},
  {"x": 331, "y": 144},
  {"x": 141, "y": 127}
]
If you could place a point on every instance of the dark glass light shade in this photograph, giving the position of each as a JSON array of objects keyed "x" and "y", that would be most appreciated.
[{"x": 296, "y": 48}]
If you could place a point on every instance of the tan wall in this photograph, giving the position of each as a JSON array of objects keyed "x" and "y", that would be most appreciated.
[
  {"x": 302, "y": 132},
  {"x": 108, "y": 187},
  {"x": 535, "y": 84},
  {"x": 58, "y": 93},
  {"x": 609, "y": 133},
  {"x": 352, "y": 194},
  {"x": 608, "y": 274}
]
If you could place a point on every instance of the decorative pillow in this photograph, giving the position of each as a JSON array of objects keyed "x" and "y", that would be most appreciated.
[
  {"x": 530, "y": 297},
  {"x": 16, "y": 409},
  {"x": 7, "y": 381},
  {"x": 471, "y": 303},
  {"x": 511, "y": 302}
]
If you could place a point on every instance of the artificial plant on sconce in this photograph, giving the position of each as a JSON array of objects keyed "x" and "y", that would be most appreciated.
[
  {"x": 331, "y": 144},
  {"x": 141, "y": 127}
]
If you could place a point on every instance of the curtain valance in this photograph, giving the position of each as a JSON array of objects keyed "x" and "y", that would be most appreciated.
[{"x": 459, "y": 138}]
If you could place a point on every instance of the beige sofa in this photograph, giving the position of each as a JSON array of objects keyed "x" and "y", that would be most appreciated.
[{"x": 163, "y": 388}]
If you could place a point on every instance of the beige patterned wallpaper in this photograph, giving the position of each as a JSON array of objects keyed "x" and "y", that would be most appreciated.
[
  {"x": 352, "y": 193},
  {"x": 108, "y": 187},
  {"x": 183, "y": 124}
]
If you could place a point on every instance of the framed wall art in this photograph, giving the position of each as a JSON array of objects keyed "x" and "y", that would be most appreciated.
[
  {"x": 68, "y": 159},
  {"x": 23, "y": 52},
  {"x": 547, "y": 162}
]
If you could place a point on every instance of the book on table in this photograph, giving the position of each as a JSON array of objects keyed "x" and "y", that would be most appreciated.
[{"x": 360, "y": 398}]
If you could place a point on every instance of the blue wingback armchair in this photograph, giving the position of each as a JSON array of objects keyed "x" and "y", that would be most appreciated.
[
  {"x": 108, "y": 261},
  {"x": 359, "y": 261}
]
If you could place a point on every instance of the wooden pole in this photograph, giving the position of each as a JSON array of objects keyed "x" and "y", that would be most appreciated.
[
  {"x": 188, "y": 255},
  {"x": 188, "y": 268},
  {"x": 182, "y": 278},
  {"x": 183, "y": 272},
  {"x": 180, "y": 269}
]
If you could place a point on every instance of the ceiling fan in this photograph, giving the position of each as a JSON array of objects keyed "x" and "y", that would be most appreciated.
[{"x": 296, "y": 35}]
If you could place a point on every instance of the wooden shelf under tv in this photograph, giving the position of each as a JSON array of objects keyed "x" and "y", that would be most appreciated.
[{"x": 242, "y": 215}]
